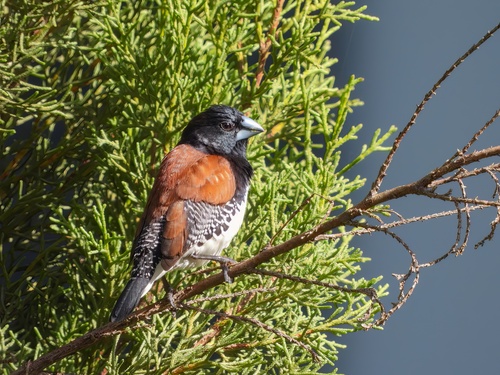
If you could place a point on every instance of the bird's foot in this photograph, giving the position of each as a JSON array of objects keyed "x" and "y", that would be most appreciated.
[
  {"x": 170, "y": 294},
  {"x": 223, "y": 261}
]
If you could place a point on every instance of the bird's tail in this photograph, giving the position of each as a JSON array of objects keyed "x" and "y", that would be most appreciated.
[{"x": 129, "y": 298}]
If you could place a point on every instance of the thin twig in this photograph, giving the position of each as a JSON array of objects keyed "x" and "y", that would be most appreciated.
[
  {"x": 490, "y": 235},
  {"x": 398, "y": 223},
  {"x": 454, "y": 246},
  {"x": 304, "y": 203},
  {"x": 476, "y": 136},
  {"x": 230, "y": 295},
  {"x": 216, "y": 326},
  {"x": 265, "y": 45},
  {"x": 459, "y": 250},
  {"x": 369, "y": 292},
  {"x": 496, "y": 192},
  {"x": 463, "y": 174},
  {"x": 413, "y": 269},
  {"x": 451, "y": 198},
  {"x": 255, "y": 322},
  {"x": 397, "y": 142}
]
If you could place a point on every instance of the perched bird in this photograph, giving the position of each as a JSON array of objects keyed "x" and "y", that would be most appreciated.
[{"x": 197, "y": 202}]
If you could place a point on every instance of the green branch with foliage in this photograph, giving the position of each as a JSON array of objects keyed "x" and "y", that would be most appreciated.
[{"x": 92, "y": 96}]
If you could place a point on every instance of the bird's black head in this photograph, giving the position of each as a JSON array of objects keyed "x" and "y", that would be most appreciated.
[{"x": 220, "y": 130}]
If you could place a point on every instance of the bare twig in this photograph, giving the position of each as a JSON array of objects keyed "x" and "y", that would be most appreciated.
[
  {"x": 463, "y": 174},
  {"x": 490, "y": 171},
  {"x": 490, "y": 235},
  {"x": 453, "y": 248},
  {"x": 460, "y": 249},
  {"x": 450, "y": 198},
  {"x": 476, "y": 136},
  {"x": 414, "y": 269},
  {"x": 369, "y": 292},
  {"x": 402, "y": 221},
  {"x": 383, "y": 169}
]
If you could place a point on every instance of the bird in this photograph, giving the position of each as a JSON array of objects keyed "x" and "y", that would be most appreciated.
[{"x": 196, "y": 205}]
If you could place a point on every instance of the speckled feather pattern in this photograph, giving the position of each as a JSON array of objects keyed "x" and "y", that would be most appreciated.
[
  {"x": 197, "y": 202},
  {"x": 145, "y": 255}
]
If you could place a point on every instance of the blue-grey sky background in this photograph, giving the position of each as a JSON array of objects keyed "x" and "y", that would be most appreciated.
[{"x": 449, "y": 326}]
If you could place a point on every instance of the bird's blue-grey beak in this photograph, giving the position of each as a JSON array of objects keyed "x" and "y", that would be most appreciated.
[{"x": 249, "y": 128}]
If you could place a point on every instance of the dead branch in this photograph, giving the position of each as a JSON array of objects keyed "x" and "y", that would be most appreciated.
[
  {"x": 385, "y": 165},
  {"x": 476, "y": 136},
  {"x": 490, "y": 235},
  {"x": 413, "y": 270},
  {"x": 402, "y": 221}
]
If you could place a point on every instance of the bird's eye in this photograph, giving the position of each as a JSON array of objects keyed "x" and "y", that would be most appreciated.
[{"x": 227, "y": 126}]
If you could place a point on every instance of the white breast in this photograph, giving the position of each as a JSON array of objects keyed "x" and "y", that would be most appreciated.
[
  {"x": 213, "y": 246},
  {"x": 216, "y": 244}
]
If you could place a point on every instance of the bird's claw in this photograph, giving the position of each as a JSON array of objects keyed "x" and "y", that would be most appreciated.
[{"x": 223, "y": 261}]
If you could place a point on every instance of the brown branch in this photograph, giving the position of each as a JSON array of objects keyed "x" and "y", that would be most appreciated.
[
  {"x": 450, "y": 198},
  {"x": 402, "y": 221},
  {"x": 476, "y": 136},
  {"x": 453, "y": 248},
  {"x": 463, "y": 174},
  {"x": 455, "y": 165},
  {"x": 383, "y": 169},
  {"x": 414, "y": 269},
  {"x": 490, "y": 235},
  {"x": 265, "y": 45},
  {"x": 490, "y": 171},
  {"x": 460, "y": 249}
]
